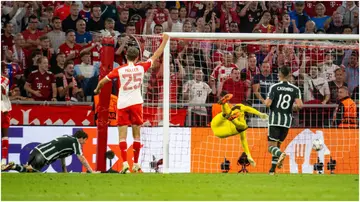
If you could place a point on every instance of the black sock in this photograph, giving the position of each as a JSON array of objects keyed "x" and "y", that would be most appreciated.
[
  {"x": 20, "y": 168},
  {"x": 274, "y": 160}
]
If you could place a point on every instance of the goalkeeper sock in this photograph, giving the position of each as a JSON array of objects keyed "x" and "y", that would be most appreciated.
[
  {"x": 136, "y": 147},
  {"x": 275, "y": 151},
  {"x": 274, "y": 161},
  {"x": 123, "y": 150}
]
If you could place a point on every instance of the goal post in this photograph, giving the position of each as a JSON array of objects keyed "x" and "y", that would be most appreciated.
[{"x": 216, "y": 36}]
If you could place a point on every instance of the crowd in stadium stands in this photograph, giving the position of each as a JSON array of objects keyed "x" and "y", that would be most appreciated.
[{"x": 51, "y": 50}]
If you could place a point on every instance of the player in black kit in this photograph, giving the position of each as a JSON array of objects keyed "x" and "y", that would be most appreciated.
[
  {"x": 281, "y": 100},
  {"x": 47, "y": 153}
]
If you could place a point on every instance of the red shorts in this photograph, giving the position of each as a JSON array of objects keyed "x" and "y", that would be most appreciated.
[
  {"x": 5, "y": 119},
  {"x": 131, "y": 115}
]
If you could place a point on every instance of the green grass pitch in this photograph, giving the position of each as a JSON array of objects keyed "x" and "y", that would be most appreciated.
[{"x": 73, "y": 186}]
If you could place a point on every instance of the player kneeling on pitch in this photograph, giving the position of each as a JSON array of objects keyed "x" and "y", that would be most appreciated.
[
  {"x": 49, "y": 152},
  {"x": 232, "y": 122}
]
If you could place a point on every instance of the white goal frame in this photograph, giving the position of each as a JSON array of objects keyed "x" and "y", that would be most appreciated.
[{"x": 243, "y": 36}]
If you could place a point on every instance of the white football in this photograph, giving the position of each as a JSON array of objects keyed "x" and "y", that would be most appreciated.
[{"x": 317, "y": 144}]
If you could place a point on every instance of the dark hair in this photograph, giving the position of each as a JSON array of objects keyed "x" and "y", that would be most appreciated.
[
  {"x": 43, "y": 38},
  {"x": 235, "y": 69},
  {"x": 285, "y": 70},
  {"x": 80, "y": 134},
  {"x": 130, "y": 24},
  {"x": 32, "y": 17},
  {"x": 55, "y": 18},
  {"x": 36, "y": 52},
  {"x": 84, "y": 53},
  {"x": 95, "y": 6},
  {"x": 158, "y": 25},
  {"x": 132, "y": 54},
  {"x": 7, "y": 23},
  {"x": 347, "y": 27},
  {"x": 173, "y": 9},
  {"x": 69, "y": 62},
  {"x": 69, "y": 31}
]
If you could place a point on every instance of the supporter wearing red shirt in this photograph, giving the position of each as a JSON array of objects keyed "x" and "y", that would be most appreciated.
[
  {"x": 20, "y": 54},
  {"x": 310, "y": 8},
  {"x": 7, "y": 39},
  {"x": 228, "y": 15},
  {"x": 223, "y": 71},
  {"x": 63, "y": 11},
  {"x": 70, "y": 48},
  {"x": 264, "y": 25},
  {"x": 45, "y": 47},
  {"x": 331, "y": 6},
  {"x": 32, "y": 34},
  {"x": 94, "y": 48},
  {"x": 235, "y": 86},
  {"x": 53, "y": 4},
  {"x": 41, "y": 83}
]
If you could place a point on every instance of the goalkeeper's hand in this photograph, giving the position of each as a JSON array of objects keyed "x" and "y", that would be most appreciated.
[{"x": 264, "y": 116}]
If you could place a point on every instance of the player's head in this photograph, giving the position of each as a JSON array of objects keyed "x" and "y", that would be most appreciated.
[
  {"x": 198, "y": 74},
  {"x": 132, "y": 54},
  {"x": 81, "y": 136},
  {"x": 343, "y": 92},
  {"x": 284, "y": 73}
]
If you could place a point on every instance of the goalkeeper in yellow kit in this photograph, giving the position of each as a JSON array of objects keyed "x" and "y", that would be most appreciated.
[{"x": 232, "y": 122}]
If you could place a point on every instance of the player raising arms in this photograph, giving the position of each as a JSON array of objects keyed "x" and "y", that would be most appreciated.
[
  {"x": 130, "y": 100},
  {"x": 280, "y": 100},
  {"x": 231, "y": 121}
]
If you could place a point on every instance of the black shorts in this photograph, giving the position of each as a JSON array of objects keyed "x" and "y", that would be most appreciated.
[
  {"x": 36, "y": 160},
  {"x": 277, "y": 133}
]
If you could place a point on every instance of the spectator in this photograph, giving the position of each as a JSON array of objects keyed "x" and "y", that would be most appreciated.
[
  {"x": 285, "y": 26},
  {"x": 260, "y": 56},
  {"x": 94, "y": 48},
  {"x": 275, "y": 11},
  {"x": 158, "y": 29},
  {"x": 201, "y": 59},
  {"x": 16, "y": 94},
  {"x": 84, "y": 71},
  {"x": 95, "y": 23},
  {"x": 183, "y": 14},
  {"x": 70, "y": 48},
  {"x": 352, "y": 71},
  {"x": 320, "y": 17},
  {"x": 236, "y": 86},
  {"x": 195, "y": 92},
  {"x": 11, "y": 69},
  {"x": 137, "y": 12},
  {"x": 264, "y": 25},
  {"x": 123, "y": 20},
  {"x": 227, "y": 15},
  {"x": 262, "y": 82},
  {"x": 328, "y": 67},
  {"x": 58, "y": 68},
  {"x": 70, "y": 21},
  {"x": 35, "y": 55},
  {"x": 45, "y": 47},
  {"x": 82, "y": 37},
  {"x": 234, "y": 27},
  {"x": 173, "y": 24},
  {"x": 109, "y": 29},
  {"x": 315, "y": 87},
  {"x": 41, "y": 83},
  {"x": 310, "y": 27},
  {"x": 85, "y": 12},
  {"x": 240, "y": 58},
  {"x": 346, "y": 112},
  {"x": 348, "y": 12},
  {"x": 67, "y": 86},
  {"x": 334, "y": 24},
  {"x": 63, "y": 11},
  {"x": 336, "y": 84},
  {"x": 32, "y": 34},
  {"x": 7, "y": 38},
  {"x": 223, "y": 70},
  {"x": 299, "y": 15},
  {"x": 46, "y": 20},
  {"x": 56, "y": 36},
  {"x": 250, "y": 15},
  {"x": 251, "y": 70},
  {"x": 188, "y": 26},
  {"x": 109, "y": 11},
  {"x": 20, "y": 54}
]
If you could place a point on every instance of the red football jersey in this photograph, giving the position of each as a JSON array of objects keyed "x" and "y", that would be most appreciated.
[
  {"x": 62, "y": 11},
  {"x": 43, "y": 83},
  {"x": 237, "y": 88},
  {"x": 6, "y": 44},
  {"x": 65, "y": 48}
]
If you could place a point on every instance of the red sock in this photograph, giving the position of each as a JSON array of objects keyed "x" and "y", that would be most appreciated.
[
  {"x": 123, "y": 149},
  {"x": 136, "y": 147},
  {"x": 4, "y": 148}
]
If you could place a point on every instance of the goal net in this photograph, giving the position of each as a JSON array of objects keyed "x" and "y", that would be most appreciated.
[{"x": 182, "y": 90}]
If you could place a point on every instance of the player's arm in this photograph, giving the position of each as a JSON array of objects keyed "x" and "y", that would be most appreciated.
[
  {"x": 101, "y": 84},
  {"x": 270, "y": 97},
  {"x": 63, "y": 165},
  {"x": 85, "y": 163},
  {"x": 298, "y": 102},
  {"x": 160, "y": 50}
]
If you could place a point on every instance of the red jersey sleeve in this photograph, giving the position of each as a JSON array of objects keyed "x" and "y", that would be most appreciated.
[
  {"x": 215, "y": 73},
  {"x": 113, "y": 74},
  {"x": 146, "y": 65},
  {"x": 52, "y": 78}
]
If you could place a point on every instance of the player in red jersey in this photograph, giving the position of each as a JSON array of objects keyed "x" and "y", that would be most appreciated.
[
  {"x": 130, "y": 99},
  {"x": 5, "y": 118}
]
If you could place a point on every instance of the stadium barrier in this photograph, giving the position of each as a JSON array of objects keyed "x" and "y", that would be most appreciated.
[{"x": 198, "y": 150}]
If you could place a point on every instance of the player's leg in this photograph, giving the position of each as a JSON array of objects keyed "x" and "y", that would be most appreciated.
[
  {"x": 5, "y": 124},
  {"x": 275, "y": 137},
  {"x": 245, "y": 146},
  {"x": 123, "y": 123},
  {"x": 136, "y": 119},
  {"x": 222, "y": 127},
  {"x": 35, "y": 163}
]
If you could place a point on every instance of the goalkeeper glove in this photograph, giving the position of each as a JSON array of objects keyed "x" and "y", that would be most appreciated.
[{"x": 264, "y": 116}]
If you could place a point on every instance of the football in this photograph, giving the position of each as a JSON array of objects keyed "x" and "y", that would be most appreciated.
[{"x": 317, "y": 144}]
